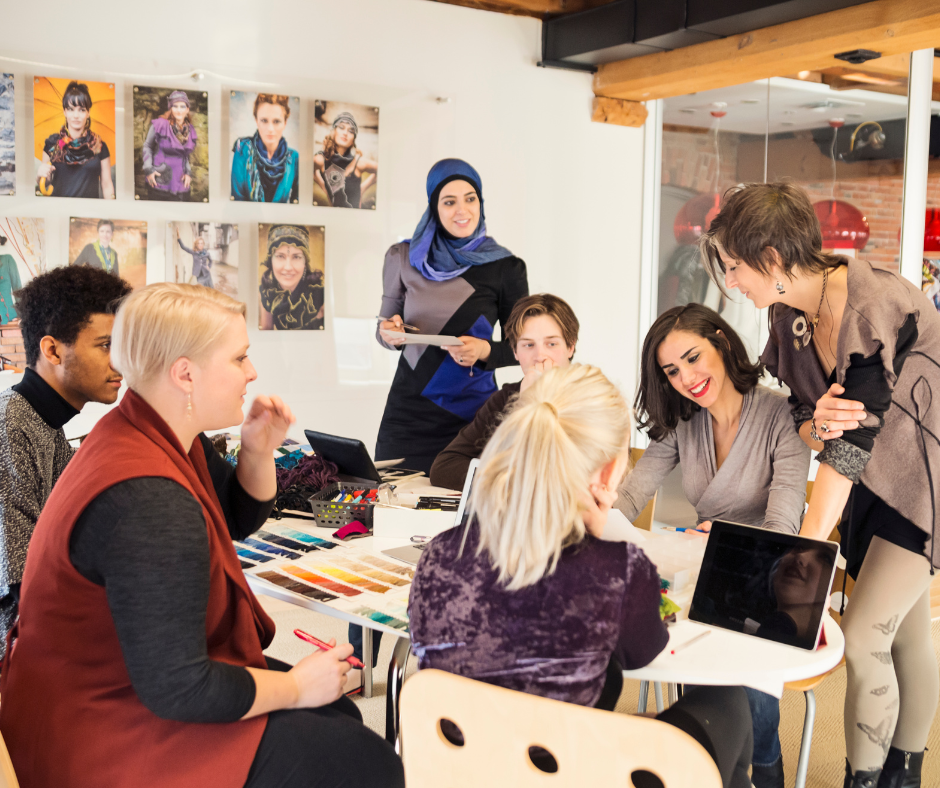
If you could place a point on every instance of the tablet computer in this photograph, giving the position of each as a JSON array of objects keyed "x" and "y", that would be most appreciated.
[
  {"x": 350, "y": 455},
  {"x": 765, "y": 583}
]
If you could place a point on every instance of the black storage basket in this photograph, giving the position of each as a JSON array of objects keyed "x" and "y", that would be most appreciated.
[{"x": 336, "y": 515}]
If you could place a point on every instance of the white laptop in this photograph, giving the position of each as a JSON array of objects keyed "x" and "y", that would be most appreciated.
[{"x": 411, "y": 553}]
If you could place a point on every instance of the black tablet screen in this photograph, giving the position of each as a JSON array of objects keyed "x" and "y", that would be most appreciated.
[{"x": 764, "y": 583}]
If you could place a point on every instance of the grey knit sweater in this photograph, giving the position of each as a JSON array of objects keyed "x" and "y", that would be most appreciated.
[{"x": 33, "y": 454}]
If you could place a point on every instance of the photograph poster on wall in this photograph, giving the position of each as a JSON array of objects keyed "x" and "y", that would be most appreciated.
[
  {"x": 265, "y": 133},
  {"x": 7, "y": 136},
  {"x": 291, "y": 270},
  {"x": 22, "y": 257},
  {"x": 203, "y": 253},
  {"x": 346, "y": 154},
  {"x": 73, "y": 138},
  {"x": 171, "y": 144},
  {"x": 118, "y": 246}
]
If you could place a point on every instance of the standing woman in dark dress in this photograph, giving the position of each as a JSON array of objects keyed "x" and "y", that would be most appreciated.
[
  {"x": 76, "y": 162},
  {"x": 450, "y": 279},
  {"x": 858, "y": 347}
]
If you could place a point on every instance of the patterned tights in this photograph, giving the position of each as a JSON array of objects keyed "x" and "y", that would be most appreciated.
[{"x": 893, "y": 682}]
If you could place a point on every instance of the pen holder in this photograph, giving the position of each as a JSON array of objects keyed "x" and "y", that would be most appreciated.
[{"x": 332, "y": 514}]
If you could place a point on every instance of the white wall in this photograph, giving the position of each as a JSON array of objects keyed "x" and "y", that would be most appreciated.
[{"x": 561, "y": 192}]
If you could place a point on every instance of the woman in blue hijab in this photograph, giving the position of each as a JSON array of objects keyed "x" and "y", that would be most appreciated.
[{"x": 451, "y": 279}]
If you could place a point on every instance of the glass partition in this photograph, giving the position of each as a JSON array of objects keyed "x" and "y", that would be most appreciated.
[{"x": 839, "y": 136}]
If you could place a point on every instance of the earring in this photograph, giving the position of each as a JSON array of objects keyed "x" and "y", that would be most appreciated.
[
  {"x": 189, "y": 407},
  {"x": 780, "y": 287}
]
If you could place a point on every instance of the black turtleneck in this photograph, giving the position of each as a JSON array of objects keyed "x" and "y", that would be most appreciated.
[{"x": 51, "y": 406}]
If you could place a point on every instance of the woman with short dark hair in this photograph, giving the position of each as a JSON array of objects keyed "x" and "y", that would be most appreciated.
[
  {"x": 742, "y": 461},
  {"x": 858, "y": 347}
]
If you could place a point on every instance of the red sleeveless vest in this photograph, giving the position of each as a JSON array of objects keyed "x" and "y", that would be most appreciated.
[{"x": 69, "y": 714}]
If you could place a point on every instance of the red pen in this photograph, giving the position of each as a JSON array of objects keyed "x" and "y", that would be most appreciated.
[{"x": 325, "y": 646}]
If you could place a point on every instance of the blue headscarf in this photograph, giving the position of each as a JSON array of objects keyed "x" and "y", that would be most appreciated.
[{"x": 434, "y": 253}]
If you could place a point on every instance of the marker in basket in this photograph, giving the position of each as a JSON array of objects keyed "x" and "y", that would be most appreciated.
[
  {"x": 688, "y": 643},
  {"x": 325, "y": 646}
]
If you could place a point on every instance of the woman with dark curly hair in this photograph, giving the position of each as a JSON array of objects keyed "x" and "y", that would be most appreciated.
[
  {"x": 291, "y": 290},
  {"x": 701, "y": 404},
  {"x": 76, "y": 162}
]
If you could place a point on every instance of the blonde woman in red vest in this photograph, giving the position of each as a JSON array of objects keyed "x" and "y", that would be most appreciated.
[{"x": 138, "y": 652}]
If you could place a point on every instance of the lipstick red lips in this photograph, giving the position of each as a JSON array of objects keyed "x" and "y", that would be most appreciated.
[{"x": 704, "y": 391}]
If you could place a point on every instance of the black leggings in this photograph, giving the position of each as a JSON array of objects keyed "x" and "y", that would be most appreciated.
[
  {"x": 323, "y": 747},
  {"x": 718, "y": 718}
]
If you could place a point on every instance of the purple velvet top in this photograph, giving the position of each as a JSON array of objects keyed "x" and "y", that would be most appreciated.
[{"x": 554, "y": 638}]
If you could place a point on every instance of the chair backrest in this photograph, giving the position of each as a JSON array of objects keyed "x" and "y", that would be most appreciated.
[
  {"x": 645, "y": 519},
  {"x": 499, "y": 726},
  {"x": 7, "y": 775}
]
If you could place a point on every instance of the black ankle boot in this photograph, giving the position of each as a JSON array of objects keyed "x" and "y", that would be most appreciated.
[
  {"x": 860, "y": 779},
  {"x": 902, "y": 769},
  {"x": 768, "y": 776}
]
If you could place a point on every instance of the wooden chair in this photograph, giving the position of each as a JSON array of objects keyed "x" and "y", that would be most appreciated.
[
  {"x": 645, "y": 518},
  {"x": 807, "y": 687},
  {"x": 500, "y": 726},
  {"x": 7, "y": 775}
]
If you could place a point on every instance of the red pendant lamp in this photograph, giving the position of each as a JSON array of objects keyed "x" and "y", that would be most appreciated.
[
  {"x": 932, "y": 230},
  {"x": 843, "y": 225},
  {"x": 695, "y": 217}
]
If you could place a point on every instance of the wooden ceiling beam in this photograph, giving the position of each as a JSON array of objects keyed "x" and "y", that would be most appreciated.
[
  {"x": 892, "y": 27},
  {"x": 536, "y": 8}
]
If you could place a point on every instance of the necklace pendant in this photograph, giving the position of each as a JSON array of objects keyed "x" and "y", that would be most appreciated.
[{"x": 802, "y": 332}]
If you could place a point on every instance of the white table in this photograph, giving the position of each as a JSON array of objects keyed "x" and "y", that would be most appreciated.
[
  {"x": 402, "y": 648},
  {"x": 725, "y": 658}
]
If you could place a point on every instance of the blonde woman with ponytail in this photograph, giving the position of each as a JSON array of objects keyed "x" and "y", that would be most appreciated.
[{"x": 530, "y": 598}]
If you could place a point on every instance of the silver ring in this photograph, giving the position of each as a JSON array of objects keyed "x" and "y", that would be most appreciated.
[{"x": 825, "y": 426}]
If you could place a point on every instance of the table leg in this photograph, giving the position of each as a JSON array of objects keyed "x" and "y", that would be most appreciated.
[
  {"x": 671, "y": 694},
  {"x": 644, "y": 697},
  {"x": 367, "y": 659},
  {"x": 658, "y": 690},
  {"x": 802, "y": 765},
  {"x": 396, "y": 678}
]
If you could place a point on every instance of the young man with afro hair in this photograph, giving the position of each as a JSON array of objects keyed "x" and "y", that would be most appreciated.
[{"x": 66, "y": 317}]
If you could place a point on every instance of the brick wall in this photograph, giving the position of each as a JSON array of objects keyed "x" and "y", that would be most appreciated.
[
  {"x": 11, "y": 345},
  {"x": 689, "y": 160}
]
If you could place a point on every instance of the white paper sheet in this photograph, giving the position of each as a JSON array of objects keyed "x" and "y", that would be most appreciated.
[{"x": 423, "y": 339}]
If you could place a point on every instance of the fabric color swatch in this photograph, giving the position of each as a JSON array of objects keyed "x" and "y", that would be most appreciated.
[
  {"x": 270, "y": 548},
  {"x": 297, "y": 588},
  {"x": 244, "y": 552},
  {"x": 300, "y": 536},
  {"x": 324, "y": 582}
]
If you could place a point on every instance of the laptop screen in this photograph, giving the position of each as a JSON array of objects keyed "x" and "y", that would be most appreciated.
[
  {"x": 463, "y": 510},
  {"x": 765, "y": 583}
]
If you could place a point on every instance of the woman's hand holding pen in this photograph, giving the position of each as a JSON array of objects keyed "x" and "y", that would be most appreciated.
[
  {"x": 394, "y": 324},
  {"x": 320, "y": 677}
]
